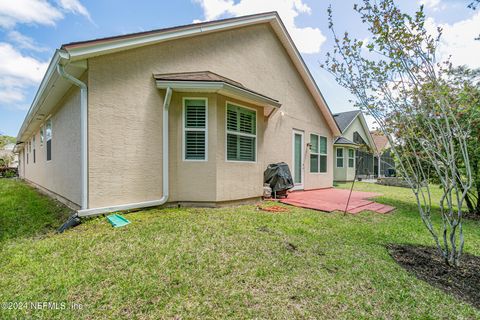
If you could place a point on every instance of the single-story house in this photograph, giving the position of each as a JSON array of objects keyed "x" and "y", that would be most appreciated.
[
  {"x": 355, "y": 149},
  {"x": 189, "y": 115}
]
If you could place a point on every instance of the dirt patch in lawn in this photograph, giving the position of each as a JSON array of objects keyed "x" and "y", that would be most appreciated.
[
  {"x": 273, "y": 209},
  {"x": 426, "y": 264}
]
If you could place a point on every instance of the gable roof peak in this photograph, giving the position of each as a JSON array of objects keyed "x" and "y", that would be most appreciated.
[
  {"x": 344, "y": 119},
  {"x": 74, "y": 56}
]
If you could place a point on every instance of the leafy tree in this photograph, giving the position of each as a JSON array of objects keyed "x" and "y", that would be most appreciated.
[
  {"x": 6, "y": 160},
  {"x": 469, "y": 112},
  {"x": 397, "y": 79},
  {"x": 4, "y": 140},
  {"x": 464, "y": 100}
]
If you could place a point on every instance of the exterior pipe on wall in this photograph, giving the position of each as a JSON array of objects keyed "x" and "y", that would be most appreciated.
[
  {"x": 83, "y": 132},
  {"x": 165, "y": 178}
]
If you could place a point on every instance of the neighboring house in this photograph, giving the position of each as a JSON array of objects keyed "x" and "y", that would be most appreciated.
[
  {"x": 384, "y": 162},
  {"x": 7, "y": 153},
  {"x": 355, "y": 148},
  {"x": 190, "y": 115}
]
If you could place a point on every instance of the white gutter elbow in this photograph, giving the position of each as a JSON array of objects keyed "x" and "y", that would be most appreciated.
[
  {"x": 83, "y": 132},
  {"x": 165, "y": 178}
]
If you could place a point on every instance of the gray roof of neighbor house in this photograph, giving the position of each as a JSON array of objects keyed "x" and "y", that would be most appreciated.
[
  {"x": 343, "y": 119},
  {"x": 343, "y": 140},
  {"x": 205, "y": 76}
]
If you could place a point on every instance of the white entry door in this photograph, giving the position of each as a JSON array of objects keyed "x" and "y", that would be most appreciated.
[{"x": 298, "y": 165}]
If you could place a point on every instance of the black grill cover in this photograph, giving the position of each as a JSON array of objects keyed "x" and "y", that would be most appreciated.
[{"x": 278, "y": 176}]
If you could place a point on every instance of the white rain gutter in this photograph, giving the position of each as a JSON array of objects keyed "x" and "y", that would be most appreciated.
[
  {"x": 83, "y": 131},
  {"x": 165, "y": 178}
]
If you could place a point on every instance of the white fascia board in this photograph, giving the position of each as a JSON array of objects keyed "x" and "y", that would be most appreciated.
[
  {"x": 348, "y": 126},
  {"x": 107, "y": 46},
  {"x": 218, "y": 87},
  {"x": 367, "y": 132},
  {"x": 190, "y": 85},
  {"x": 355, "y": 146},
  {"x": 251, "y": 95},
  {"x": 50, "y": 74}
]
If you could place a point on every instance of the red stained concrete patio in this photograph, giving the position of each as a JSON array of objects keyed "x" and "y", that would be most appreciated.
[{"x": 335, "y": 200}]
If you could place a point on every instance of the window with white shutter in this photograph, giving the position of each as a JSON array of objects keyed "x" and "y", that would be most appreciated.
[
  {"x": 195, "y": 123},
  {"x": 241, "y": 134}
]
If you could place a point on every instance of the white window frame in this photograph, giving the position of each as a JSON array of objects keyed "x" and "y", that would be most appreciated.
[
  {"x": 194, "y": 129},
  {"x": 351, "y": 158},
  {"x": 49, "y": 120},
  {"x": 240, "y": 133},
  {"x": 42, "y": 135},
  {"x": 337, "y": 157},
  {"x": 319, "y": 153}
]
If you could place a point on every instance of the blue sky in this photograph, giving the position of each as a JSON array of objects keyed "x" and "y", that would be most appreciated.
[{"x": 30, "y": 31}]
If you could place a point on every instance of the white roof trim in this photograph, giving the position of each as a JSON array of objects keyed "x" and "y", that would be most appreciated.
[
  {"x": 106, "y": 46},
  {"x": 351, "y": 122},
  {"x": 218, "y": 87}
]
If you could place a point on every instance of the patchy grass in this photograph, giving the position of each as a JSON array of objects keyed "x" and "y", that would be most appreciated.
[
  {"x": 26, "y": 213},
  {"x": 222, "y": 263}
]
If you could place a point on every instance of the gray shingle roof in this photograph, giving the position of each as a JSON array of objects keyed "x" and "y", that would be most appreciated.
[
  {"x": 343, "y": 140},
  {"x": 343, "y": 119}
]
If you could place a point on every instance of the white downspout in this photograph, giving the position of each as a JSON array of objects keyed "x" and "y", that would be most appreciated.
[
  {"x": 83, "y": 132},
  {"x": 165, "y": 178}
]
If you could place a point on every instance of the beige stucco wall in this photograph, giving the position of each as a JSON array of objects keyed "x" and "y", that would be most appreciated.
[
  {"x": 299, "y": 113},
  {"x": 125, "y": 116},
  {"x": 192, "y": 180},
  {"x": 61, "y": 175}
]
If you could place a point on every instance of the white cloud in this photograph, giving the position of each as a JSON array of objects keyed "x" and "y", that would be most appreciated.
[
  {"x": 458, "y": 40},
  {"x": 39, "y": 12},
  {"x": 28, "y": 11},
  {"x": 74, "y": 6},
  {"x": 24, "y": 42},
  {"x": 307, "y": 39},
  {"x": 17, "y": 73},
  {"x": 434, "y": 5}
]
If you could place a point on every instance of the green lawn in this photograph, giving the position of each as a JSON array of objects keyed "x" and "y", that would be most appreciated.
[{"x": 218, "y": 263}]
